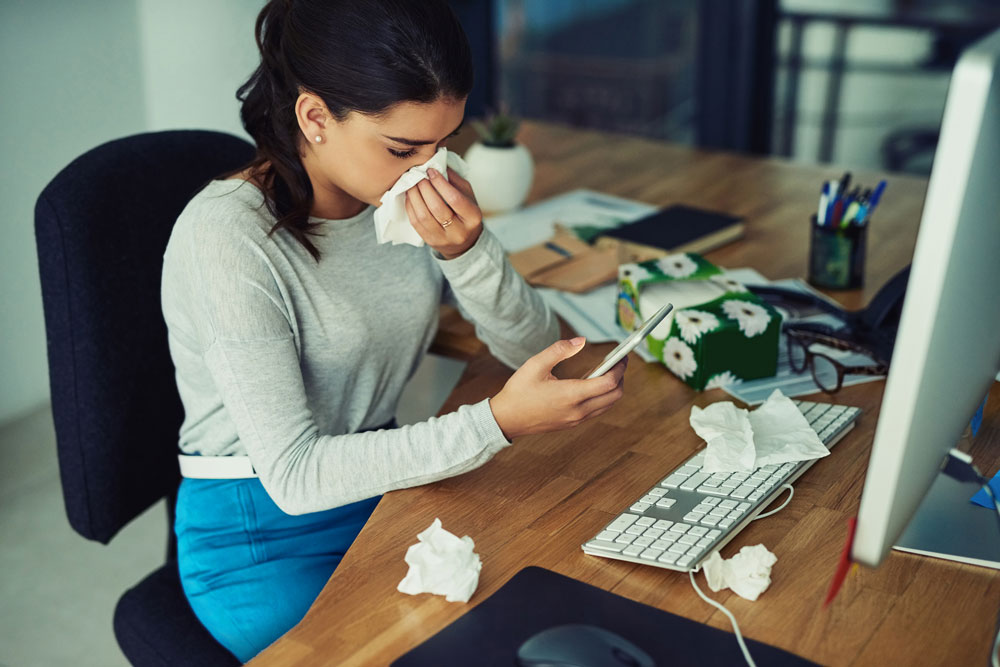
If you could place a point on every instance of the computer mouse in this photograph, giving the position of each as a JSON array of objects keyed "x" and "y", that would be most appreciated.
[{"x": 579, "y": 645}]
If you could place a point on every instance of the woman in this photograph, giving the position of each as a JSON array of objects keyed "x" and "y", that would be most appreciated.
[{"x": 293, "y": 332}]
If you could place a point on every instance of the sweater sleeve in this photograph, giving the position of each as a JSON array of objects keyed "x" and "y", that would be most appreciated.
[
  {"x": 508, "y": 314},
  {"x": 220, "y": 287}
]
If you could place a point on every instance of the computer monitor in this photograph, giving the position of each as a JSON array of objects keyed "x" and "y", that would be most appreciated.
[{"x": 947, "y": 350}]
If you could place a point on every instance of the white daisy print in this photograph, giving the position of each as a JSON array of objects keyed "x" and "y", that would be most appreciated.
[
  {"x": 752, "y": 318},
  {"x": 729, "y": 284},
  {"x": 635, "y": 274},
  {"x": 679, "y": 358},
  {"x": 677, "y": 266},
  {"x": 693, "y": 323},
  {"x": 721, "y": 380}
]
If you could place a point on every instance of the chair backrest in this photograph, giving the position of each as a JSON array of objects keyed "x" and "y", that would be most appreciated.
[{"x": 101, "y": 226}]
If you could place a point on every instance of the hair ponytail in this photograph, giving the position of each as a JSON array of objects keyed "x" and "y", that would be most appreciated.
[{"x": 363, "y": 56}]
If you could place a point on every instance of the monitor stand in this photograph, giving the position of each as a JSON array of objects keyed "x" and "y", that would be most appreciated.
[{"x": 947, "y": 525}]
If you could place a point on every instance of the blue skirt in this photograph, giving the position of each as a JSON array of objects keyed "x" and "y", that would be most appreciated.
[{"x": 249, "y": 570}]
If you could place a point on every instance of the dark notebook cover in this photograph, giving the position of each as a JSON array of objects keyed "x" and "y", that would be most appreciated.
[
  {"x": 536, "y": 599},
  {"x": 677, "y": 227}
]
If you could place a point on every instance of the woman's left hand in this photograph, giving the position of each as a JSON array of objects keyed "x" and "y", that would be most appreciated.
[{"x": 445, "y": 213}]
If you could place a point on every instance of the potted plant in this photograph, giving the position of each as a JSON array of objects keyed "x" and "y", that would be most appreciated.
[{"x": 500, "y": 169}]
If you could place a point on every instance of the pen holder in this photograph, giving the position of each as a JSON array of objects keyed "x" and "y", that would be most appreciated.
[{"x": 837, "y": 256}]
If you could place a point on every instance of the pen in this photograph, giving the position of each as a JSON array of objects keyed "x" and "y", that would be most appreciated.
[
  {"x": 876, "y": 196},
  {"x": 559, "y": 249},
  {"x": 823, "y": 203}
]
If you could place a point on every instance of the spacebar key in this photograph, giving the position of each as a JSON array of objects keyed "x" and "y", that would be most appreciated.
[
  {"x": 694, "y": 481},
  {"x": 604, "y": 545}
]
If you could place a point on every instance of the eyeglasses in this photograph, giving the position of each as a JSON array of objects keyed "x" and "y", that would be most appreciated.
[{"x": 826, "y": 371}]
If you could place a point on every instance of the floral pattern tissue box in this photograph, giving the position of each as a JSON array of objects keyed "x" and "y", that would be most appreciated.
[{"x": 718, "y": 332}]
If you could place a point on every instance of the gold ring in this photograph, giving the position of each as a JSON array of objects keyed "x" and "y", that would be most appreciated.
[{"x": 448, "y": 221}]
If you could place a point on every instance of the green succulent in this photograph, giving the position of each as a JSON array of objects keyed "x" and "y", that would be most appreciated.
[{"x": 498, "y": 130}]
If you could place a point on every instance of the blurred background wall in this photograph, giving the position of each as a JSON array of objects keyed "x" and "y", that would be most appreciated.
[{"x": 77, "y": 74}]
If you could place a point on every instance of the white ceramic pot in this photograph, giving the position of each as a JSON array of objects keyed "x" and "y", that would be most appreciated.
[{"x": 500, "y": 177}]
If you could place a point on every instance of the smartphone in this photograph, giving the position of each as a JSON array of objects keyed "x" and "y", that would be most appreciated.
[{"x": 629, "y": 343}]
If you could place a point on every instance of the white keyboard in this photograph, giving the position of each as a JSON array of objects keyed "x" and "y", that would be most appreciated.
[{"x": 683, "y": 519}]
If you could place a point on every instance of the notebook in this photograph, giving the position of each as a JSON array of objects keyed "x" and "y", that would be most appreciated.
[
  {"x": 676, "y": 228},
  {"x": 536, "y": 599}
]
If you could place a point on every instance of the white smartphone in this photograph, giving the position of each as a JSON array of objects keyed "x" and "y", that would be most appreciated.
[{"x": 629, "y": 343}]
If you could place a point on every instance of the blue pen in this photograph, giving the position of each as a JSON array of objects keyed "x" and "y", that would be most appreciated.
[{"x": 879, "y": 189}]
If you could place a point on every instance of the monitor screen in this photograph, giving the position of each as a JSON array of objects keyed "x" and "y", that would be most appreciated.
[{"x": 947, "y": 350}]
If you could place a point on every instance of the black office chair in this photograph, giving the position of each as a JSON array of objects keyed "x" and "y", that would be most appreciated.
[{"x": 101, "y": 226}]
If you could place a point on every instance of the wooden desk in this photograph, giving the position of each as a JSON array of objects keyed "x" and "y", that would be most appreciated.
[{"x": 538, "y": 500}]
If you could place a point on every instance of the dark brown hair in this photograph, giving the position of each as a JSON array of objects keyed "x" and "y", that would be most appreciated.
[{"x": 356, "y": 55}]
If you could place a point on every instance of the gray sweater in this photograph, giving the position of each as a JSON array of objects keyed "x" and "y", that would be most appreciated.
[{"x": 284, "y": 359}]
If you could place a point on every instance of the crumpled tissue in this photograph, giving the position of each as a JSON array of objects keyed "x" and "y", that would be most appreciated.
[
  {"x": 740, "y": 441},
  {"x": 748, "y": 573},
  {"x": 392, "y": 224},
  {"x": 443, "y": 564}
]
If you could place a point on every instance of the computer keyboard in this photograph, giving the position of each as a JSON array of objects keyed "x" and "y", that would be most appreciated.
[{"x": 683, "y": 519}]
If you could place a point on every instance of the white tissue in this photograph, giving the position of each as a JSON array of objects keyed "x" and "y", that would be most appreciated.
[
  {"x": 748, "y": 573},
  {"x": 442, "y": 564},
  {"x": 392, "y": 224},
  {"x": 738, "y": 441}
]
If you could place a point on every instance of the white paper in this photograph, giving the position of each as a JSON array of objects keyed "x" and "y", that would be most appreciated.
[
  {"x": 748, "y": 573},
  {"x": 392, "y": 224},
  {"x": 738, "y": 441},
  {"x": 443, "y": 564}
]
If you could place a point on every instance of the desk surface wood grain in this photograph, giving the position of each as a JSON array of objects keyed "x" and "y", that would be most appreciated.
[{"x": 538, "y": 500}]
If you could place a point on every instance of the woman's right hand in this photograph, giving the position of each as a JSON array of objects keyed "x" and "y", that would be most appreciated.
[{"x": 536, "y": 401}]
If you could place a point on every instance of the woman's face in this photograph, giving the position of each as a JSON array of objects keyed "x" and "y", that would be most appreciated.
[{"x": 363, "y": 156}]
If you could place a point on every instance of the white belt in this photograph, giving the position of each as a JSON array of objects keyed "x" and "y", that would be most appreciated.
[{"x": 216, "y": 467}]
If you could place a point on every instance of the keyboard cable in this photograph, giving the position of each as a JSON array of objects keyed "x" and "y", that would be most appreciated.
[{"x": 720, "y": 606}]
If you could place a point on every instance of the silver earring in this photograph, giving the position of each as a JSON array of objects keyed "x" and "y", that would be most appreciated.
[{"x": 319, "y": 139}]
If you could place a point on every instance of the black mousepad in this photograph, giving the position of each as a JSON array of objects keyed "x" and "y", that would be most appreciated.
[{"x": 535, "y": 599}]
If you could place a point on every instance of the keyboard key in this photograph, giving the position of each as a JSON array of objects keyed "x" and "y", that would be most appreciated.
[
  {"x": 607, "y": 535},
  {"x": 693, "y": 517},
  {"x": 743, "y": 507},
  {"x": 684, "y": 561},
  {"x": 741, "y": 492},
  {"x": 642, "y": 541},
  {"x": 710, "y": 501},
  {"x": 650, "y": 554},
  {"x": 645, "y": 521},
  {"x": 612, "y": 547},
  {"x": 660, "y": 544},
  {"x": 735, "y": 515},
  {"x": 726, "y": 523},
  {"x": 668, "y": 558},
  {"x": 711, "y": 491},
  {"x": 639, "y": 507},
  {"x": 678, "y": 548},
  {"x": 719, "y": 511},
  {"x": 688, "y": 539},
  {"x": 673, "y": 481},
  {"x": 711, "y": 520},
  {"x": 728, "y": 504},
  {"x": 622, "y": 522},
  {"x": 712, "y": 534},
  {"x": 658, "y": 492},
  {"x": 635, "y": 529},
  {"x": 649, "y": 499},
  {"x": 694, "y": 481},
  {"x": 679, "y": 528},
  {"x": 698, "y": 531},
  {"x": 624, "y": 538},
  {"x": 632, "y": 551},
  {"x": 653, "y": 532},
  {"x": 663, "y": 524},
  {"x": 703, "y": 542},
  {"x": 666, "y": 503}
]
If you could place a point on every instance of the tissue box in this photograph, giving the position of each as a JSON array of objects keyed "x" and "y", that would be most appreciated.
[{"x": 718, "y": 332}]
